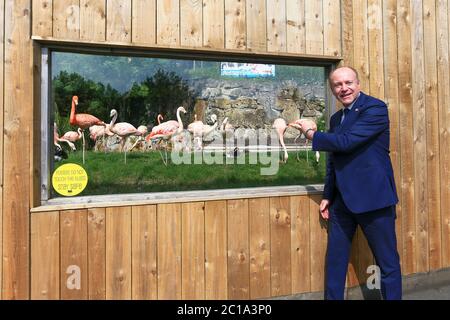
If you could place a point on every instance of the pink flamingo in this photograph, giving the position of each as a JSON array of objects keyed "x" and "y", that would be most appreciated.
[
  {"x": 72, "y": 136},
  {"x": 124, "y": 130},
  {"x": 57, "y": 139},
  {"x": 280, "y": 126},
  {"x": 159, "y": 118},
  {"x": 82, "y": 120},
  {"x": 166, "y": 129}
]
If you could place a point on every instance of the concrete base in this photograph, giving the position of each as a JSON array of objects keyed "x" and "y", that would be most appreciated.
[{"x": 434, "y": 285}]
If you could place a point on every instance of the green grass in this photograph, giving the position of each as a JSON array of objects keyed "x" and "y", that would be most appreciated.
[{"x": 145, "y": 172}]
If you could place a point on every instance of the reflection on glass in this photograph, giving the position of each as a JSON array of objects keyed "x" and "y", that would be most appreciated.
[{"x": 139, "y": 124}]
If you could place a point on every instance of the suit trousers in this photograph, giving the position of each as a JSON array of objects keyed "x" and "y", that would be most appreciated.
[{"x": 379, "y": 229}]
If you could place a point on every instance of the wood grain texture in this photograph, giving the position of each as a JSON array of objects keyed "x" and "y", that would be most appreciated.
[
  {"x": 143, "y": 21},
  {"x": 2, "y": 109},
  {"x": 295, "y": 26},
  {"x": 443, "y": 16},
  {"x": 419, "y": 137},
  {"x": 144, "y": 259},
  {"x": 193, "y": 251},
  {"x": 392, "y": 99},
  {"x": 332, "y": 27},
  {"x": 97, "y": 253},
  {"x": 238, "y": 250},
  {"x": 214, "y": 24},
  {"x": 191, "y": 23},
  {"x": 168, "y": 23},
  {"x": 256, "y": 25},
  {"x": 216, "y": 271},
  {"x": 407, "y": 187},
  {"x": 42, "y": 12},
  {"x": 276, "y": 25},
  {"x": 45, "y": 266},
  {"x": 280, "y": 246},
  {"x": 318, "y": 238},
  {"x": 300, "y": 244},
  {"x": 235, "y": 27},
  {"x": 93, "y": 20},
  {"x": 375, "y": 40},
  {"x": 314, "y": 26},
  {"x": 432, "y": 135},
  {"x": 169, "y": 251},
  {"x": 118, "y": 253},
  {"x": 347, "y": 32},
  {"x": 66, "y": 19},
  {"x": 260, "y": 257},
  {"x": 18, "y": 82},
  {"x": 74, "y": 264},
  {"x": 118, "y": 23}
]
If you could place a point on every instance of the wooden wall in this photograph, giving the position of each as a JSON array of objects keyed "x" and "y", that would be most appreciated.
[{"x": 401, "y": 50}]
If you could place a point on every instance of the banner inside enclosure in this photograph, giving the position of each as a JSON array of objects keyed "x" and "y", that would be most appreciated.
[{"x": 247, "y": 70}]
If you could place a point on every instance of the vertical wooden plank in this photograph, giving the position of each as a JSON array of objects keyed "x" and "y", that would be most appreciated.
[
  {"x": 214, "y": 24},
  {"x": 444, "y": 133},
  {"x": 318, "y": 238},
  {"x": 332, "y": 27},
  {"x": 295, "y": 26},
  {"x": 73, "y": 230},
  {"x": 419, "y": 137},
  {"x": 406, "y": 134},
  {"x": 193, "y": 251},
  {"x": 2, "y": 95},
  {"x": 276, "y": 25},
  {"x": 42, "y": 18},
  {"x": 347, "y": 32},
  {"x": 97, "y": 253},
  {"x": 235, "y": 16},
  {"x": 280, "y": 245},
  {"x": 118, "y": 253},
  {"x": 259, "y": 221},
  {"x": 392, "y": 99},
  {"x": 143, "y": 21},
  {"x": 216, "y": 250},
  {"x": 45, "y": 256},
  {"x": 376, "y": 57},
  {"x": 66, "y": 19},
  {"x": 238, "y": 250},
  {"x": 314, "y": 26},
  {"x": 361, "y": 63},
  {"x": 169, "y": 251},
  {"x": 144, "y": 269},
  {"x": 361, "y": 45},
  {"x": 93, "y": 20},
  {"x": 432, "y": 134},
  {"x": 191, "y": 23},
  {"x": 256, "y": 25},
  {"x": 18, "y": 82},
  {"x": 118, "y": 22},
  {"x": 168, "y": 22},
  {"x": 301, "y": 245}
]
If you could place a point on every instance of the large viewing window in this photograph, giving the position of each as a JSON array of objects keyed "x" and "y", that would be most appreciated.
[{"x": 165, "y": 122}]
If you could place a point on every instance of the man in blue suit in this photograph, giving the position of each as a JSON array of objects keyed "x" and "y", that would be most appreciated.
[{"x": 359, "y": 186}]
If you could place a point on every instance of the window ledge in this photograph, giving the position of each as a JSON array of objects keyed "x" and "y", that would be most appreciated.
[{"x": 135, "y": 199}]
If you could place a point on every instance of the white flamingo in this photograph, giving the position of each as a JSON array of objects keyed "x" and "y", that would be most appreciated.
[
  {"x": 57, "y": 139},
  {"x": 280, "y": 126}
]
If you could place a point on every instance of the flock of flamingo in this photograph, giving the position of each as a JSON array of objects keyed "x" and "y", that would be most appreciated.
[{"x": 162, "y": 132}]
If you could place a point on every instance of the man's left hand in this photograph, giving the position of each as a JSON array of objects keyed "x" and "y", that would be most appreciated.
[{"x": 305, "y": 126}]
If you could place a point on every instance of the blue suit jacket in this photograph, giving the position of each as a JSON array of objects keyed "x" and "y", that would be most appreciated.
[{"x": 358, "y": 163}]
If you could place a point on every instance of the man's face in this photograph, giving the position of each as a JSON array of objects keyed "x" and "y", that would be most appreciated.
[{"x": 345, "y": 86}]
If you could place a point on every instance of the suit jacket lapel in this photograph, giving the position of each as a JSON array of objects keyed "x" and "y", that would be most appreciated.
[{"x": 351, "y": 117}]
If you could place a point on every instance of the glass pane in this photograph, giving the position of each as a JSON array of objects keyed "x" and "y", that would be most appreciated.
[{"x": 163, "y": 124}]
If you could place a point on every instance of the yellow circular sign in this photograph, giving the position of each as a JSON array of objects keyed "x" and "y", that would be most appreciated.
[{"x": 69, "y": 179}]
